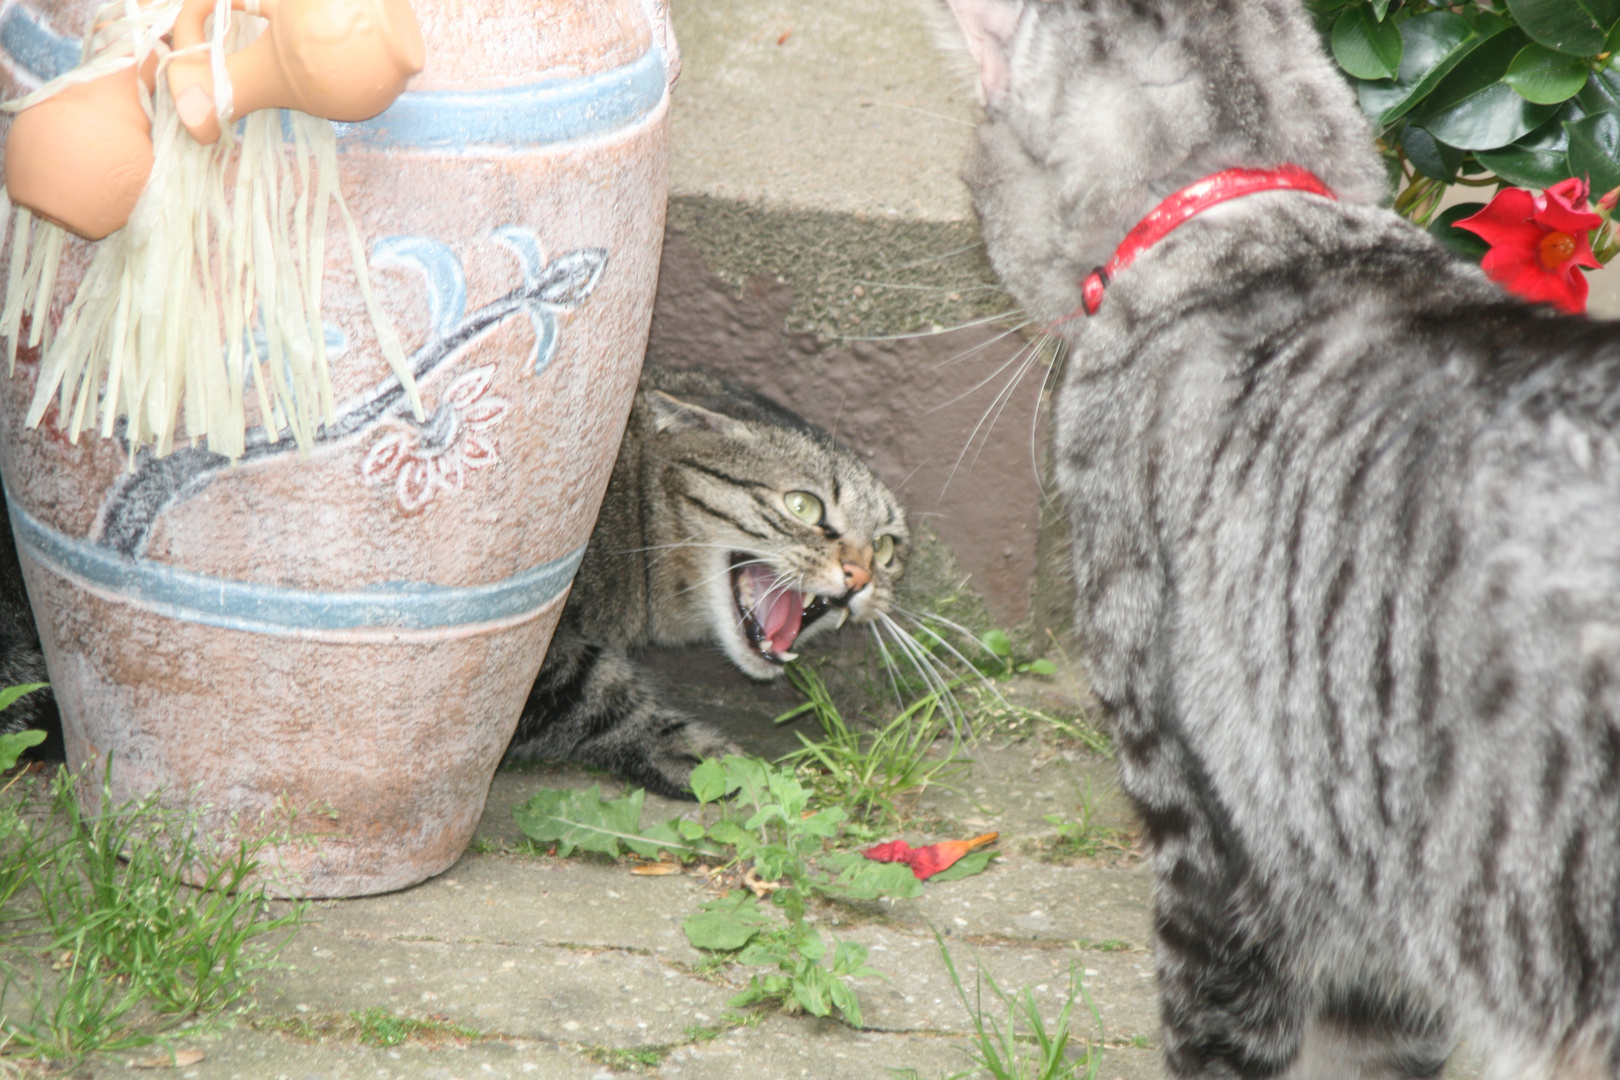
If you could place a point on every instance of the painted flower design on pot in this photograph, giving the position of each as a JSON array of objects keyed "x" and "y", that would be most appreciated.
[{"x": 421, "y": 460}]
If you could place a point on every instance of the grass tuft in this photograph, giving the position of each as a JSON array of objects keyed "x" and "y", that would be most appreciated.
[
  {"x": 107, "y": 946},
  {"x": 1024, "y": 1046}
]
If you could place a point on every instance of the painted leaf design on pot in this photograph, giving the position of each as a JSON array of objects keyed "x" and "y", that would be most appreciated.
[{"x": 423, "y": 459}]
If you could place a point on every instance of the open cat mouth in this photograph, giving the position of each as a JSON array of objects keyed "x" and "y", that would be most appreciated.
[{"x": 773, "y": 615}]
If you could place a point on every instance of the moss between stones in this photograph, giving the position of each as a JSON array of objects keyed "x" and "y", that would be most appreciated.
[{"x": 852, "y": 277}]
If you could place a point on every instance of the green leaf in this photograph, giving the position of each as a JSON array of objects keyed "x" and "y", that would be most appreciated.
[
  {"x": 1431, "y": 46},
  {"x": 1380, "y": 9},
  {"x": 727, "y": 832},
  {"x": 848, "y": 958},
  {"x": 657, "y": 839},
  {"x": 972, "y": 863},
  {"x": 1594, "y": 150},
  {"x": 810, "y": 991},
  {"x": 858, "y": 878},
  {"x": 1538, "y": 160},
  {"x": 1546, "y": 77},
  {"x": 1472, "y": 109},
  {"x": 844, "y": 997},
  {"x": 1460, "y": 242},
  {"x": 12, "y": 746},
  {"x": 11, "y": 693},
  {"x": 1491, "y": 117},
  {"x": 710, "y": 782},
  {"x": 1601, "y": 92},
  {"x": 764, "y": 952},
  {"x": 810, "y": 945},
  {"x": 1575, "y": 27},
  {"x": 689, "y": 829},
  {"x": 1366, "y": 47},
  {"x": 1429, "y": 156},
  {"x": 998, "y": 643},
  {"x": 727, "y": 924},
  {"x": 585, "y": 820},
  {"x": 1041, "y": 667}
]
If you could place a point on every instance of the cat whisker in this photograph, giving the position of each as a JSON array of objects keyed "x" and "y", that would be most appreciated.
[
  {"x": 1001, "y": 400},
  {"x": 985, "y": 287},
  {"x": 982, "y": 321},
  {"x": 1054, "y": 370},
  {"x": 996, "y": 405},
  {"x": 982, "y": 383},
  {"x": 980, "y": 347},
  {"x": 925, "y": 664},
  {"x": 924, "y": 112},
  {"x": 951, "y": 254},
  {"x": 967, "y": 665},
  {"x": 888, "y": 666},
  {"x": 704, "y": 581}
]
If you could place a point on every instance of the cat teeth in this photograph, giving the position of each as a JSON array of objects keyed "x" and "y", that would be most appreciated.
[
  {"x": 786, "y": 656},
  {"x": 840, "y": 616}
]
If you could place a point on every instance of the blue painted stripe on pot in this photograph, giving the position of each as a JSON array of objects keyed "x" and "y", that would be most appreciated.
[
  {"x": 245, "y": 605},
  {"x": 517, "y": 117},
  {"x": 506, "y": 118},
  {"x": 41, "y": 51}
]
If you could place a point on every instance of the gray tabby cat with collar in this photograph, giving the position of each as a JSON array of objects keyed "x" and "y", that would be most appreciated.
[
  {"x": 1346, "y": 534},
  {"x": 728, "y": 521}
]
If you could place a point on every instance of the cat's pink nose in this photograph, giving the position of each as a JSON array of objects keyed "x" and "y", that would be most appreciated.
[{"x": 856, "y": 576}]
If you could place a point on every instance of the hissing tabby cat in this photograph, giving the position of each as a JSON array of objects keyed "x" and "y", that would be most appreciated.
[
  {"x": 1346, "y": 526},
  {"x": 729, "y": 521}
]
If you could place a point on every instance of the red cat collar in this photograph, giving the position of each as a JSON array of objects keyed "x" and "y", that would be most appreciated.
[{"x": 1211, "y": 190}]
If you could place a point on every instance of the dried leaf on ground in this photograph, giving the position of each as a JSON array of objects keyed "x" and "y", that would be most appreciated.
[
  {"x": 182, "y": 1059},
  {"x": 927, "y": 861}
]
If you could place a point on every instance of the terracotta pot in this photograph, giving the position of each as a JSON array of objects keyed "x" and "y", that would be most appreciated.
[
  {"x": 354, "y": 633},
  {"x": 341, "y": 59},
  {"x": 81, "y": 158}
]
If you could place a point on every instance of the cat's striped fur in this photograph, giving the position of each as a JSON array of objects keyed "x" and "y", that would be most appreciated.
[
  {"x": 698, "y": 544},
  {"x": 1346, "y": 526}
]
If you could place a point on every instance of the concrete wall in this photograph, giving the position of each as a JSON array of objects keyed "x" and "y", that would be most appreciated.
[{"x": 821, "y": 248}]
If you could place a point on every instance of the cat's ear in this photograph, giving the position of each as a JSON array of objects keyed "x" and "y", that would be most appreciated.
[
  {"x": 672, "y": 414},
  {"x": 987, "y": 27}
]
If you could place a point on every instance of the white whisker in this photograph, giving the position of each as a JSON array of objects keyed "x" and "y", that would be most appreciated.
[
  {"x": 951, "y": 254},
  {"x": 974, "y": 434},
  {"x": 925, "y": 112},
  {"x": 1052, "y": 368},
  {"x": 888, "y": 666},
  {"x": 1016, "y": 357},
  {"x": 942, "y": 330},
  {"x": 1004, "y": 397},
  {"x": 980, "y": 347},
  {"x": 929, "y": 288}
]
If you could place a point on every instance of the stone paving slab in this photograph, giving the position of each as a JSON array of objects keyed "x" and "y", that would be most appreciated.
[
  {"x": 919, "y": 996},
  {"x": 517, "y": 899},
  {"x": 608, "y": 997},
  {"x": 790, "y": 1048},
  {"x": 1018, "y": 898},
  {"x": 245, "y": 1054}
]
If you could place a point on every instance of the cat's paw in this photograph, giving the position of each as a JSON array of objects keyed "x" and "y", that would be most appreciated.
[{"x": 675, "y": 750}]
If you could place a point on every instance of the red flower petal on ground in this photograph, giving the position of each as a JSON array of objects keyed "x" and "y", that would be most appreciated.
[
  {"x": 925, "y": 862},
  {"x": 1539, "y": 243}
]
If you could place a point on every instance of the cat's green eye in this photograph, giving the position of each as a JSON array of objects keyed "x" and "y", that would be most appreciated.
[
  {"x": 883, "y": 550},
  {"x": 804, "y": 506}
]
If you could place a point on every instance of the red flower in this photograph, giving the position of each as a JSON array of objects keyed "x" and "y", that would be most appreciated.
[
  {"x": 1539, "y": 243},
  {"x": 925, "y": 862}
]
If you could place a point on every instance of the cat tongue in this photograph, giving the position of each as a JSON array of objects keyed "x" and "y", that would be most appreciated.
[{"x": 779, "y": 611}]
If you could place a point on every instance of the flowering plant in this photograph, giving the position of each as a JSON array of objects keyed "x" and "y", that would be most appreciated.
[{"x": 1516, "y": 95}]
